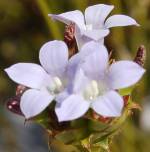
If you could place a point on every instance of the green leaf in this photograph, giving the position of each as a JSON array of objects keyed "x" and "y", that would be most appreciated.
[
  {"x": 94, "y": 125},
  {"x": 58, "y": 146},
  {"x": 79, "y": 123},
  {"x": 126, "y": 91},
  {"x": 102, "y": 146},
  {"x": 114, "y": 127},
  {"x": 70, "y": 136}
]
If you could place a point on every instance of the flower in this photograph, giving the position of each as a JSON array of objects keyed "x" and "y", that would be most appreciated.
[
  {"x": 96, "y": 83},
  {"x": 94, "y": 25},
  {"x": 45, "y": 81}
]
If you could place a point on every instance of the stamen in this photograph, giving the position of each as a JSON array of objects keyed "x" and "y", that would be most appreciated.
[
  {"x": 94, "y": 89},
  {"x": 56, "y": 86},
  {"x": 91, "y": 92},
  {"x": 88, "y": 93},
  {"x": 58, "y": 82}
]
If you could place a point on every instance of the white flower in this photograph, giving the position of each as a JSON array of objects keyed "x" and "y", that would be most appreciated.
[
  {"x": 95, "y": 84},
  {"x": 46, "y": 81},
  {"x": 94, "y": 25}
]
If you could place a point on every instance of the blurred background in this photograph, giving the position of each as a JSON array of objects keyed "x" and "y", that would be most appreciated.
[{"x": 25, "y": 27}]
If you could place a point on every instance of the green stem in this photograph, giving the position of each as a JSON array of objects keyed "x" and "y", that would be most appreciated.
[{"x": 78, "y": 4}]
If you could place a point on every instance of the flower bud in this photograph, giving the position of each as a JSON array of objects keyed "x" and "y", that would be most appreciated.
[
  {"x": 20, "y": 89},
  {"x": 126, "y": 99},
  {"x": 13, "y": 104},
  {"x": 140, "y": 56},
  {"x": 69, "y": 38}
]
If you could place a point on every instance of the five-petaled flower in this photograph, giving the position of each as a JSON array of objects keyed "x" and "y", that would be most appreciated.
[
  {"x": 86, "y": 80},
  {"x": 46, "y": 81},
  {"x": 96, "y": 83},
  {"x": 94, "y": 26}
]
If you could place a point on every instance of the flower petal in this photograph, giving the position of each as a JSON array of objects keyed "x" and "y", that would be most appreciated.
[
  {"x": 72, "y": 108},
  {"x": 120, "y": 20},
  {"x": 68, "y": 17},
  {"x": 27, "y": 74},
  {"x": 33, "y": 102},
  {"x": 85, "y": 51},
  {"x": 80, "y": 81},
  {"x": 96, "y": 63},
  {"x": 62, "y": 96},
  {"x": 109, "y": 105},
  {"x": 91, "y": 47},
  {"x": 97, "y": 14},
  {"x": 96, "y": 34},
  {"x": 123, "y": 74},
  {"x": 54, "y": 57},
  {"x": 81, "y": 39},
  {"x": 75, "y": 60},
  {"x": 73, "y": 65},
  {"x": 84, "y": 36}
]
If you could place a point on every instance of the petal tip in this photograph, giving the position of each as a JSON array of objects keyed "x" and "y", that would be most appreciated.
[
  {"x": 143, "y": 71},
  {"x": 112, "y": 6},
  {"x": 6, "y": 70},
  {"x": 59, "y": 117},
  {"x": 52, "y": 16},
  {"x": 26, "y": 117},
  {"x": 118, "y": 114}
]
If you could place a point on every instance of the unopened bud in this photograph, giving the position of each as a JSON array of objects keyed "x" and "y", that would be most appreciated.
[
  {"x": 126, "y": 99},
  {"x": 20, "y": 89},
  {"x": 69, "y": 38},
  {"x": 13, "y": 104},
  {"x": 140, "y": 56}
]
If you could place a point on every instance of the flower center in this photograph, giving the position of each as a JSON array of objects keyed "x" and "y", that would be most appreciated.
[
  {"x": 56, "y": 86},
  {"x": 94, "y": 89},
  {"x": 91, "y": 91},
  {"x": 102, "y": 87}
]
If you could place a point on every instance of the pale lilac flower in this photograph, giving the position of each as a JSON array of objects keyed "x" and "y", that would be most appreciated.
[
  {"x": 46, "y": 81},
  {"x": 93, "y": 25},
  {"x": 96, "y": 83}
]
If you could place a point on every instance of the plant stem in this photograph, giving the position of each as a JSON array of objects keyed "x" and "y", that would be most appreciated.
[{"x": 53, "y": 27}]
